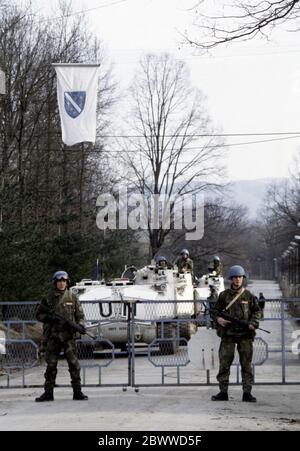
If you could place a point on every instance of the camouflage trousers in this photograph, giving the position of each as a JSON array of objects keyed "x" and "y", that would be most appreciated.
[
  {"x": 54, "y": 347},
  {"x": 226, "y": 356}
]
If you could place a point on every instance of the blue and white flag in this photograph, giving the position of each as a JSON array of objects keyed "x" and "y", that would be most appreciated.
[{"x": 77, "y": 101}]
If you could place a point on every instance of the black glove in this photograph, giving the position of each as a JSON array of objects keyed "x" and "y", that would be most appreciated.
[
  {"x": 81, "y": 329},
  {"x": 51, "y": 319}
]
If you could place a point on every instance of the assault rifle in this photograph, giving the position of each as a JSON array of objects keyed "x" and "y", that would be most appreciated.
[
  {"x": 238, "y": 322},
  {"x": 56, "y": 317}
]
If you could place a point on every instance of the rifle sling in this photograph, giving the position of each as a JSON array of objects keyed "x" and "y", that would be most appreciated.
[{"x": 234, "y": 299}]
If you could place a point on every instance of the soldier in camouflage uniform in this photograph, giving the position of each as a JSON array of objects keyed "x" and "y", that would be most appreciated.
[
  {"x": 60, "y": 337},
  {"x": 246, "y": 308},
  {"x": 216, "y": 266},
  {"x": 184, "y": 263}
]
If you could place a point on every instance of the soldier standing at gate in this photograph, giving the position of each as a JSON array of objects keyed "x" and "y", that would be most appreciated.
[
  {"x": 241, "y": 304},
  {"x": 59, "y": 336}
]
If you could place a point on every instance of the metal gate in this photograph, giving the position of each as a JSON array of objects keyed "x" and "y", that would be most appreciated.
[{"x": 142, "y": 343}]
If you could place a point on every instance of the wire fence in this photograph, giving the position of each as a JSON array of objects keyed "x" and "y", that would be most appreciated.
[{"x": 148, "y": 343}]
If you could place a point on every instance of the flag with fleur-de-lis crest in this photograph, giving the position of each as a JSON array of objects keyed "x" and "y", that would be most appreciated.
[{"x": 77, "y": 101}]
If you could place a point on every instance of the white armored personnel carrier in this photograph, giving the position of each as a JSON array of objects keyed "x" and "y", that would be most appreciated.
[{"x": 153, "y": 318}]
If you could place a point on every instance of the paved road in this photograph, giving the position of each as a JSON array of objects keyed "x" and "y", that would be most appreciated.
[{"x": 171, "y": 409}]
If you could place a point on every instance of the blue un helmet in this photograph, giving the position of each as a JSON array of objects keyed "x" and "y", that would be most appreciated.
[
  {"x": 161, "y": 258},
  {"x": 216, "y": 258},
  {"x": 58, "y": 275},
  {"x": 236, "y": 271}
]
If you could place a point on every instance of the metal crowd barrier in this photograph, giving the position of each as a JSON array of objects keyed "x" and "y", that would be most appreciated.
[{"x": 144, "y": 343}]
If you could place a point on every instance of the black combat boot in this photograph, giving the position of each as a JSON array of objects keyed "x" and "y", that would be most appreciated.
[
  {"x": 46, "y": 396},
  {"x": 247, "y": 397},
  {"x": 78, "y": 395},
  {"x": 222, "y": 396}
]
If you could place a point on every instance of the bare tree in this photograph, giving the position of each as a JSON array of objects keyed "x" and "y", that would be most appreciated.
[
  {"x": 239, "y": 20},
  {"x": 40, "y": 178},
  {"x": 47, "y": 191},
  {"x": 283, "y": 202},
  {"x": 226, "y": 234},
  {"x": 280, "y": 217},
  {"x": 172, "y": 150}
]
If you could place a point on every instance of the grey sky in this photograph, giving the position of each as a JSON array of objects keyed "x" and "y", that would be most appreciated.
[{"x": 250, "y": 87}]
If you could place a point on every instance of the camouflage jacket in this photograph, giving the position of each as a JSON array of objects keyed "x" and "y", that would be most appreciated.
[
  {"x": 245, "y": 307},
  {"x": 65, "y": 304},
  {"x": 184, "y": 264},
  {"x": 216, "y": 267}
]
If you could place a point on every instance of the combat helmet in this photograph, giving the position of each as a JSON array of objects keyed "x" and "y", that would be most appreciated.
[
  {"x": 185, "y": 251},
  {"x": 236, "y": 271},
  {"x": 58, "y": 275}
]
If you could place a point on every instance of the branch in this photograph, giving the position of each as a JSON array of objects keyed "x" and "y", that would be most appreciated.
[{"x": 254, "y": 19}]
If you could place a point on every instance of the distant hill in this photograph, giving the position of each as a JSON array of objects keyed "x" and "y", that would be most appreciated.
[{"x": 251, "y": 193}]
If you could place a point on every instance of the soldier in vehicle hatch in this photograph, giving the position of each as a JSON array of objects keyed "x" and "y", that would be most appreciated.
[
  {"x": 184, "y": 263},
  {"x": 216, "y": 266}
]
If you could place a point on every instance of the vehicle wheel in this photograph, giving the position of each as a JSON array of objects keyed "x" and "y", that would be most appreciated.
[{"x": 170, "y": 346}]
